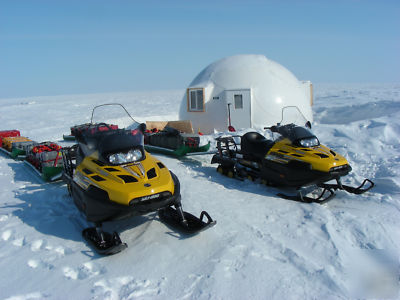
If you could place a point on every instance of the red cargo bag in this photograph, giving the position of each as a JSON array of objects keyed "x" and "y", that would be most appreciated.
[{"x": 8, "y": 133}]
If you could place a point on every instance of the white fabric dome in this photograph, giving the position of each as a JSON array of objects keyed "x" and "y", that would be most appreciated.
[{"x": 272, "y": 87}]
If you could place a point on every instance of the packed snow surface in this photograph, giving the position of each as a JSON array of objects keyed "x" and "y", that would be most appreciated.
[{"x": 262, "y": 247}]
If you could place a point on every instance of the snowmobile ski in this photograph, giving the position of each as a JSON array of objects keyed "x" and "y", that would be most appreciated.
[
  {"x": 184, "y": 221},
  {"x": 302, "y": 195},
  {"x": 104, "y": 243},
  {"x": 361, "y": 189}
]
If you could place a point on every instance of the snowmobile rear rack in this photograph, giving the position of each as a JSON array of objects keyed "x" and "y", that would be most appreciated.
[
  {"x": 227, "y": 145},
  {"x": 69, "y": 157}
]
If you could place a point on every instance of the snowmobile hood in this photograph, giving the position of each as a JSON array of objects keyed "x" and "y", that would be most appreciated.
[
  {"x": 125, "y": 183},
  {"x": 320, "y": 157}
]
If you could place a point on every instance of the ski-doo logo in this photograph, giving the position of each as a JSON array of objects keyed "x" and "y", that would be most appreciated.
[{"x": 149, "y": 197}]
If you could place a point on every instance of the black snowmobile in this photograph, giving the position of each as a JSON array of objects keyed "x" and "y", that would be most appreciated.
[
  {"x": 110, "y": 176},
  {"x": 294, "y": 159}
]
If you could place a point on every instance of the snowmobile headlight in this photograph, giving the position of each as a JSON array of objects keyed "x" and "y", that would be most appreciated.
[
  {"x": 123, "y": 158},
  {"x": 309, "y": 142},
  {"x": 134, "y": 155}
]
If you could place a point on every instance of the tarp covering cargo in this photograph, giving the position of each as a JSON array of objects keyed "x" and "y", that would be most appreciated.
[{"x": 183, "y": 126}]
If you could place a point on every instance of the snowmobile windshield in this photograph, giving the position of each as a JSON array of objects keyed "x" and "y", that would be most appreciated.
[
  {"x": 115, "y": 134},
  {"x": 122, "y": 146},
  {"x": 292, "y": 115},
  {"x": 300, "y": 136},
  {"x": 114, "y": 114},
  {"x": 294, "y": 125}
]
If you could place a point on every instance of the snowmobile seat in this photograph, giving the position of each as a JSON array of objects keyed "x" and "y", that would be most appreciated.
[{"x": 255, "y": 144}]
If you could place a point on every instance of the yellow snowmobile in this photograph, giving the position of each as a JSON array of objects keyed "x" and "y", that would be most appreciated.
[
  {"x": 110, "y": 176},
  {"x": 294, "y": 159}
]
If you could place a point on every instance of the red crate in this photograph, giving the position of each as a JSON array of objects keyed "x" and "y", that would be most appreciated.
[
  {"x": 8, "y": 133},
  {"x": 46, "y": 154},
  {"x": 92, "y": 127}
]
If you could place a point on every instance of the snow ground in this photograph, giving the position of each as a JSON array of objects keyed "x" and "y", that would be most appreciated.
[{"x": 262, "y": 247}]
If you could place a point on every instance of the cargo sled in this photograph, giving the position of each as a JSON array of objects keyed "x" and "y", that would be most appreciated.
[
  {"x": 14, "y": 144},
  {"x": 46, "y": 160},
  {"x": 174, "y": 138}
]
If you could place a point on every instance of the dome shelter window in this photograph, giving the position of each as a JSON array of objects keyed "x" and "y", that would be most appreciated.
[
  {"x": 238, "y": 101},
  {"x": 195, "y": 97}
]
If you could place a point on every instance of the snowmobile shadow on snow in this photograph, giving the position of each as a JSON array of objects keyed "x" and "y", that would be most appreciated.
[
  {"x": 47, "y": 211},
  {"x": 50, "y": 212},
  {"x": 123, "y": 225},
  {"x": 23, "y": 173},
  {"x": 244, "y": 185}
]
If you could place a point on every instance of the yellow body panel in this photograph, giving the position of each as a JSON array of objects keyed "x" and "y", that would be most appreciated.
[
  {"x": 119, "y": 191},
  {"x": 321, "y": 158}
]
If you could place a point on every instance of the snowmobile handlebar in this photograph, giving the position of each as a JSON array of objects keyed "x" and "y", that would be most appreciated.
[{"x": 273, "y": 128}]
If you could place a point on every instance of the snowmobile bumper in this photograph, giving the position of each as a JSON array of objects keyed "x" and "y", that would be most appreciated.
[
  {"x": 98, "y": 207},
  {"x": 298, "y": 174}
]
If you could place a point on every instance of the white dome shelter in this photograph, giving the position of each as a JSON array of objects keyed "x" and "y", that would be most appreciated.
[{"x": 250, "y": 89}]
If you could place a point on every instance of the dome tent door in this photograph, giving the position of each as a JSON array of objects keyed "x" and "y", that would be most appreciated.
[{"x": 239, "y": 105}]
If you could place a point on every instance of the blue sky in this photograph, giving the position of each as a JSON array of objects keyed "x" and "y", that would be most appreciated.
[{"x": 69, "y": 47}]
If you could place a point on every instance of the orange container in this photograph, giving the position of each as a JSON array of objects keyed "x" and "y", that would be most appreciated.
[{"x": 8, "y": 141}]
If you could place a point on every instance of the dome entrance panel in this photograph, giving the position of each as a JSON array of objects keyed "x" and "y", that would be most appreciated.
[{"x": 239, "y": 107}]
